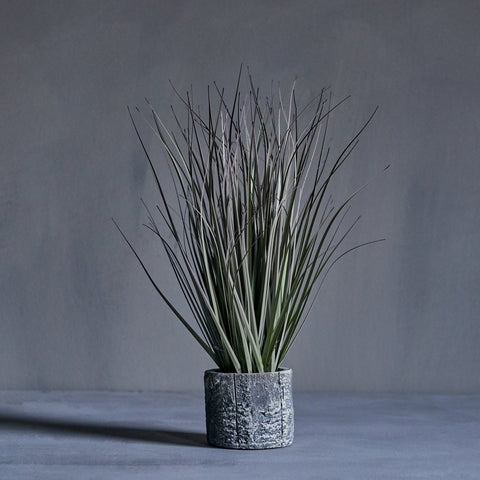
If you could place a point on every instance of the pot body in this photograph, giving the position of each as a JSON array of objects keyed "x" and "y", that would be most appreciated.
[{"x": 249, "y": 410}]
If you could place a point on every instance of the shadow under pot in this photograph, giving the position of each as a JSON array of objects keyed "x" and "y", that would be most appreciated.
[{"x": 249, "y": 410}]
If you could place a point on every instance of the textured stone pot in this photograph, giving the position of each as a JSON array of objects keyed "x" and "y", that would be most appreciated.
[{"x": 249, "y": 410}]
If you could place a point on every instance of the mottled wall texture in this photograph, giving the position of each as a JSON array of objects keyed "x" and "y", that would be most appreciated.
[{"x": 76, "y": 312}]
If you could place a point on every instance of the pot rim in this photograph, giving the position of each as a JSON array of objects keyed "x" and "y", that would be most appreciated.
[{"x": 216, "y": 371}]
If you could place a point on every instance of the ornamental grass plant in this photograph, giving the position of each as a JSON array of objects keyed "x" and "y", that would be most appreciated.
[{"x": 253, "y": 229}]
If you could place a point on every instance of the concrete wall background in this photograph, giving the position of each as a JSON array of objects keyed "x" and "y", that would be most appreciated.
[{"x": 76, "y": 312}]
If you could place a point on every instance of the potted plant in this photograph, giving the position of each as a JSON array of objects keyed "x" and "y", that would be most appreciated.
[{"x": 252, "y": 235}]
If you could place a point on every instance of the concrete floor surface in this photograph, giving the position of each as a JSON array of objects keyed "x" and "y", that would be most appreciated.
[{"x": 100, "y": 435}]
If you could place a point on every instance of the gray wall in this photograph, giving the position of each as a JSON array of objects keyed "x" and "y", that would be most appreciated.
[{"x": 76, "y": 312}]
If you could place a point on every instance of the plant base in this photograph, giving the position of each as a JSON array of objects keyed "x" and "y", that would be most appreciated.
[{"x": 249, "y": 410}]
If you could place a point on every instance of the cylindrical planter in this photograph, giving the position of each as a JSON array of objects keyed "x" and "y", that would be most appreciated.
[{"x": 249, "y": 410}]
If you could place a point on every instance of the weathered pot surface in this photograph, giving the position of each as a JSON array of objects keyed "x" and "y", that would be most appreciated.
[{"x": 249, "y": 410}]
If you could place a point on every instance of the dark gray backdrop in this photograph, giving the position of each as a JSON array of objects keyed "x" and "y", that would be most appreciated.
[{"x": 75, "y": 309}]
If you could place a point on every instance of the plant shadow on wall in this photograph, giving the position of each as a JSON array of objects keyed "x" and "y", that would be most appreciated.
[{"x": 254, "y": 225}]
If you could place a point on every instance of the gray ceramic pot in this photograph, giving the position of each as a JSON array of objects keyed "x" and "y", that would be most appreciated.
[{"x": 249, "y": 410}]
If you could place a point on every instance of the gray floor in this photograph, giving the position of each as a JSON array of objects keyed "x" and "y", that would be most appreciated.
[{"x": 96, "y": 435}]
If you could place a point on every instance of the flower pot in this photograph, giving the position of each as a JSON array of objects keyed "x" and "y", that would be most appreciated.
[{"x": 249, "y": 410}]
